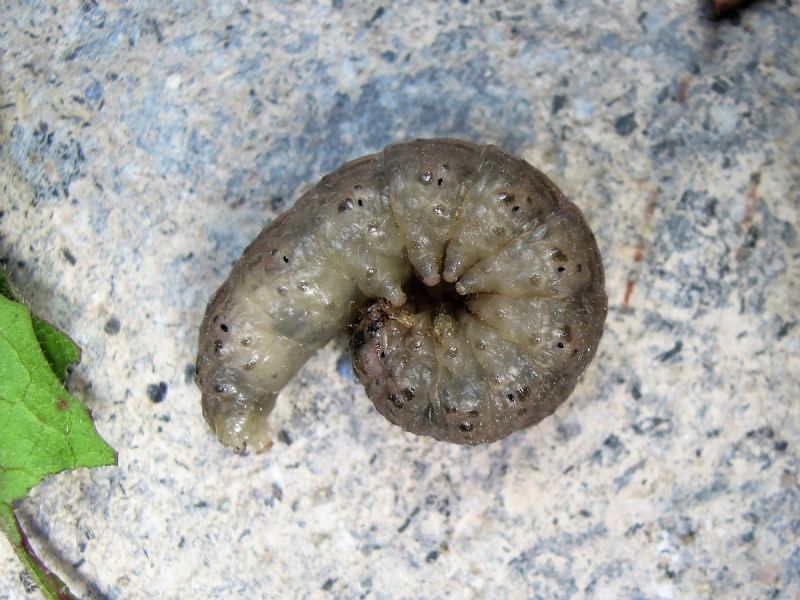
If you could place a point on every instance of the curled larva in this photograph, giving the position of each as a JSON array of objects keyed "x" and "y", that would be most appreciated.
[{"x": 474, "y": 290}]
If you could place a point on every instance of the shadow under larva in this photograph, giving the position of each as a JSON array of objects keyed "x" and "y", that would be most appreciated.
[{"x": 476, "y": 289}]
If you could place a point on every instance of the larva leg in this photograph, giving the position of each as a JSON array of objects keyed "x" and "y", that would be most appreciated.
[
  {"x": 427, "y": 181},
  {"x": 507, "y": 197}
]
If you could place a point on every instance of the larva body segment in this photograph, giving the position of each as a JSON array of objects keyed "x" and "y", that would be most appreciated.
[{"x": 475, "y": 286}]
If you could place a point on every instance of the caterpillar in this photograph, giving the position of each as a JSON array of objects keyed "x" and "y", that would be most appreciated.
[{"x": 473, "y": 289}]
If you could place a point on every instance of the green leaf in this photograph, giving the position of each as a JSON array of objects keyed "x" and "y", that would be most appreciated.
[
  {"x": 59, "y": 350},
  {"x": 8, "y": 289},
  {"x": 43, "y": 430}
]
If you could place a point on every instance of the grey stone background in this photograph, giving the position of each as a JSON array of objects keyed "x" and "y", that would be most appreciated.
[{"x": 143, "y": 144}]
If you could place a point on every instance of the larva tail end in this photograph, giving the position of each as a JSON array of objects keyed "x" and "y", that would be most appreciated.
[{"x": 240, "y": 425}]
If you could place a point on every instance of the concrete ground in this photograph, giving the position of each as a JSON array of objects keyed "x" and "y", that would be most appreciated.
[{"x": 144, "y": 144}]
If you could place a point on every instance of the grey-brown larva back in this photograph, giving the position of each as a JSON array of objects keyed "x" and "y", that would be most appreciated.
[{"x": 475, "y": 286}]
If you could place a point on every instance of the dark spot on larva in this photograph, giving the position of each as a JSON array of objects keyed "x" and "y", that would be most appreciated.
[
  {"x": 561, "y": 269},
  {"x": 219, "y": 388},
  {"x": 466, "y": 427},
  {"x": 383, "y": 354},
  {"x": 557, "y": 255},
  {"x": 396, "y": 400},
  {"x": 286, "y": 259},
  {"x": 575, "y": 352},
  {"x": 579, "y": 268},
  {"x": 224, "y": 328},
  {"x": 446, "y": 167},
  {"x": 358, "y": 340},
  {"x": 505, "y": 197},
  {"x": 426, "y": 178},
  {"x": 218, "y": 346},
  {"x": 529, "y": 200},
  {"x": 409, "y": 393},
  {"x": 515, "y": 209},
  {"x": 439, "y": 182},
  {"x": 345, "y": 205},
  {"x": 510, "y": 397},
  {"x": 157, "y": 392},
  {"x": 560, "y": 344},
  {"x": 360, "y": 202}
]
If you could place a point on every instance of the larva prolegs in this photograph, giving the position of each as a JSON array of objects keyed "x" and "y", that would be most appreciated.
[
  {"x": 427, "y": 180},
  {"x": 508, "y": 196}
]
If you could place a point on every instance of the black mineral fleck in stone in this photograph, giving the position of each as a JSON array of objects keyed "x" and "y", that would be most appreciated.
[
  {"x": 559, "y": 101},
  {"x": 69, "y": 256},
  {"x": 157, "y": 392},
  {"x": 112, "y": 326},
  {"x": 625, "y": 124},
  {"x": 285, "y": 437}
]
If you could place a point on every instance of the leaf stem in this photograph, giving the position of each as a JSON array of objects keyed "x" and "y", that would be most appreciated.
[{"x": 51, "y": 586}]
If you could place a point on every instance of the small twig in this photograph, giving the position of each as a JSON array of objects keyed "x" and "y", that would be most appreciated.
[{"x": 49, "y": 584}]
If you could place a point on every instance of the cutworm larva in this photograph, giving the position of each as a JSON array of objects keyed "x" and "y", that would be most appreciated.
[{"x": 473, "y": 288}]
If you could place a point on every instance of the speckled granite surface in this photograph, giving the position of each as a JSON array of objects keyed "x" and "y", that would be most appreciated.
[{"x": 143, "y": 145}]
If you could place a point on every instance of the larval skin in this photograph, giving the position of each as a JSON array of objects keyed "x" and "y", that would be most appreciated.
[{"x": 475, "y": 286}]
